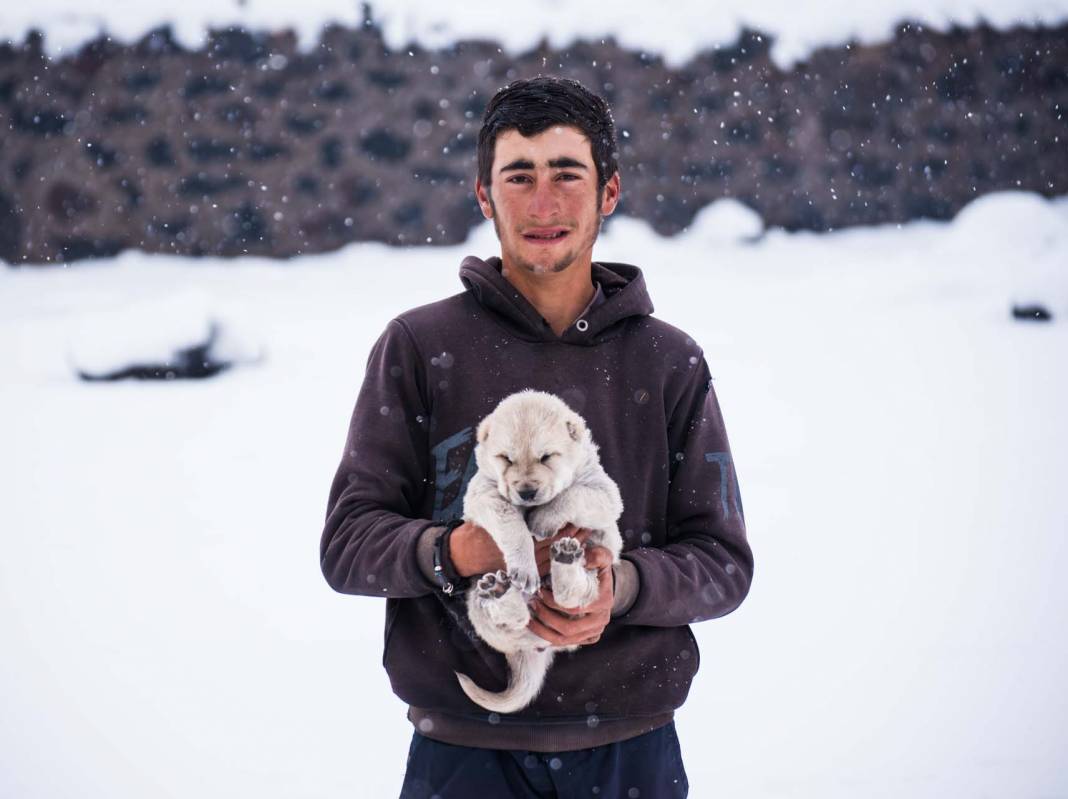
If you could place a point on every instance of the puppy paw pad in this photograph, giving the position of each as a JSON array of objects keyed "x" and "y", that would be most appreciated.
[
  {"x": 494, "y": 585},
  {"x": 566, "y": 550}
]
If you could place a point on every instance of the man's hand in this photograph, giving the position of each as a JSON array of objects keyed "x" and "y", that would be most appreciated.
[
  {"x": 473, "y": 551},
  {"x": 570, "y": 626},
  {"x": 542, "y": 552}
]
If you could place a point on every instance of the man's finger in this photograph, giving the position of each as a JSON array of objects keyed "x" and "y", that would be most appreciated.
[
  {"x": 553, "y": 615},
  {"x": 547, "y": 634},
  {"x": 547, "y": 624},
  {"x": 574, "y": 629},
  {"x": 549, "y": 600},
  {"x": 569, "y": 530},
  {"x": 566, "y": 637},
  {"x": 598, "y": 558}
]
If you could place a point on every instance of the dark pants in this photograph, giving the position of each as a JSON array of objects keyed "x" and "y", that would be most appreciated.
[{"x": 649, "y": 766}]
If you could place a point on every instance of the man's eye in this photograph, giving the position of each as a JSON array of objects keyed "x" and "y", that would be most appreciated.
[
  {"x": 518, "y": 179},
  {"x": 567, "y": 176}
]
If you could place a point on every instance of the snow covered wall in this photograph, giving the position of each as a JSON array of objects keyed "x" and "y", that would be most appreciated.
[
  {"x": 258, "y": 143},
  {"x": 677, "y": 31}
]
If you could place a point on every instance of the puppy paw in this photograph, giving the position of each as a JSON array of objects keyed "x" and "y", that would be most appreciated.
[
  {"x": 498, "y": 606},
  {"x": 493, "y": 585},
  {"x": 567, "y": 550}
]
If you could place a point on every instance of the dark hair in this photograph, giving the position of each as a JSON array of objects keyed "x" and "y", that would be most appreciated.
[{"x": 536, "y": 104}]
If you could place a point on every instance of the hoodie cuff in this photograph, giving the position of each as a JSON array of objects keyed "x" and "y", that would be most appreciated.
[
  {"x": 424, "y": 552},
  {"x": 626, "y": 578}
]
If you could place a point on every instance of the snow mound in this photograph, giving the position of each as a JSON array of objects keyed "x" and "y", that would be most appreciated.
[
  {"x": 726, "y": 221},
  {"x": 1038, "y": 232},
  {"x": 1014, "y": 215}
]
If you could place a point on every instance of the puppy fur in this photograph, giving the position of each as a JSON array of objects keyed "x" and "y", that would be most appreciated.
[{"x": 538, "y": 470}]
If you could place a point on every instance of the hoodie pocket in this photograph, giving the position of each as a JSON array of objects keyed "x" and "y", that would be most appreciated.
[{"x": 696, "y": 657}]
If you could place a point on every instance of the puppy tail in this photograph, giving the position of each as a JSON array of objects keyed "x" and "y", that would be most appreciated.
[{"x": 527, "y": 667}]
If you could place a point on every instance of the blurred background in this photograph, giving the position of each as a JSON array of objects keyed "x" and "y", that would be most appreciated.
[{"x": 209, "y": 213}]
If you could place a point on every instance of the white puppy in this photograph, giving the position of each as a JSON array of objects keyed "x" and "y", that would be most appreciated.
[{"x": 538, "y": 470}]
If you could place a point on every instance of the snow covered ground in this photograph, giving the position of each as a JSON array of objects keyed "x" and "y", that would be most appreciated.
[
  {"x": 901, "y": 445},
  {"x": 677, "y": 31}
]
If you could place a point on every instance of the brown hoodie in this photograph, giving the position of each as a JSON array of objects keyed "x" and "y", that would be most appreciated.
[{"x": 645, "y": 391}]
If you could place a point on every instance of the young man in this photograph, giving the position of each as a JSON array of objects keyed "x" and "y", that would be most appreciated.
[{"x": 541, "y": 316}]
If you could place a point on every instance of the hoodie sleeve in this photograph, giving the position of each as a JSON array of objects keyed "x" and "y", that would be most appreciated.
[
  {"x": 705, "y": 569},
  {"x": 369, "y": 543}
]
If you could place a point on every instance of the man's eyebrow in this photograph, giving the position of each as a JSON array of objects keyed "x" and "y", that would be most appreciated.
[
  {"x": 563, "y": 162},
  {"x": 566, "y": 163},
  {"x": 519, "y": 163}
]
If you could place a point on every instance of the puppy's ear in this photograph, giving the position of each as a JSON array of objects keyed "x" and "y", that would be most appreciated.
[
  {"x": 483, "y": 431},
  {"x": 576, "y": 428}
]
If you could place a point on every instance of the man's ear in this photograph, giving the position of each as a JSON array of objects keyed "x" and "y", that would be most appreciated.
[
  {"x": 610, "y": 195},
  {"x": 482, "y": 195}
]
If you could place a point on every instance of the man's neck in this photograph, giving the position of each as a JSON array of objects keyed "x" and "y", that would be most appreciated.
[{"x": 558, "y": 296}]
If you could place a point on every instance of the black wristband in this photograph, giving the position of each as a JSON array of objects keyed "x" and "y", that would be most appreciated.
[{"x": 444, "y": 572}]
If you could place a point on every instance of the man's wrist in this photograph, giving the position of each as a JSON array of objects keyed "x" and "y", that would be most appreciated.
[
  {"x": 433, "y": 556},
  {"x": 625, "y": 576},
  {"x": 445, "y": 574},
  {"x": 424, "y": 551}
]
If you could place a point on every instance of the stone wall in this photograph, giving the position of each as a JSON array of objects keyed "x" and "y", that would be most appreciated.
[{"x": 251, "y": 146}]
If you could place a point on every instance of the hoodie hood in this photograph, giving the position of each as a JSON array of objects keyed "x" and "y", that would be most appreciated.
[{"x": 624, "y": 292}]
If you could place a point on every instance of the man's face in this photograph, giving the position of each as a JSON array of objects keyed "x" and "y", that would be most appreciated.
[{"x": 543, "y": 199}]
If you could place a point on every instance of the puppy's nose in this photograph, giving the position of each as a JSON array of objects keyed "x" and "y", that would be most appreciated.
[{"x": 527, "y": 494}]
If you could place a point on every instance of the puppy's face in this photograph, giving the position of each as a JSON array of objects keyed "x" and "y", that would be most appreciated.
[{"x": 532, "y": 446}]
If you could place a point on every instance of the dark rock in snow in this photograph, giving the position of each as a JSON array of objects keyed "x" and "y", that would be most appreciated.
[
  {"x": 1032, "y": 312},
  {"x": 193, "y": 362}
]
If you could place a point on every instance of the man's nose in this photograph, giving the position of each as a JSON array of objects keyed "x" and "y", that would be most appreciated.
[
  {"x": 542, "y": 200},
  {"x": 527, "y": 494}
]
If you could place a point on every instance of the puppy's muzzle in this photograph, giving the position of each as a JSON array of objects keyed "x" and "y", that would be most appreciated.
[{"x": 527, "y": 494}]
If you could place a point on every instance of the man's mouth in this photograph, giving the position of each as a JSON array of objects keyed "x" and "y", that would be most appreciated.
[{"x": 545, "y": 236}]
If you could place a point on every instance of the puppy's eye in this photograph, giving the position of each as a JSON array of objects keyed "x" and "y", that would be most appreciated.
[
  {"x": 547, "y": 455},
  {"x": 505, "y": 458}
]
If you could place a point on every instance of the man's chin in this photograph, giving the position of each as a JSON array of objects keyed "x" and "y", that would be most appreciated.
[{"x": 546, "y": 266}]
